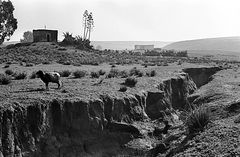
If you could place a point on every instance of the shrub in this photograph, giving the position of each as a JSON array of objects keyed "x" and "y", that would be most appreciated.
[
  {"x": 130, "y": 81},
  {"x": 6, "y": 66},
  {"x": 20, "y": 76},
  {"x": 123, "y": 89},
  {"x": 33, "y": 75},
  {"x": 79, "y": 73},
  {"x": 101, "y": 72},
  {"x": 46, "y": 62},
  {"x": 5, "y": 79},
  {"x": 136, "y": 72},
  {"x": 65, "y": 73},
  {"x": 29, "y": 64},
  {"x": 9, "y": 72},
  {"x": 62, "y": 49},
  {"x": 151, "y": 73},
  {"x": 66, "y": 63},
  {"x": 197, "y": 119},
  {"x": 113, "y": 73},
  {"x": 94, "y": 74},
  {"x": 123, "y": 74}
]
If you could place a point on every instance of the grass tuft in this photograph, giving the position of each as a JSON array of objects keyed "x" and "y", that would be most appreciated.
[
  {"x": 20, "y": 76},
  {"x": 130, "y": 81},
  {"x": 94, "y": 74},
  {"x": 65, "y": 73},
  {"x": 9, "y": 72},
  {"x": 197, "y": 119},
  {"x": 5, "y": 79},
  {"x": 79, "y": 73}
]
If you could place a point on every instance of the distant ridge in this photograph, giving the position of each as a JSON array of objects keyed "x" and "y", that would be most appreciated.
[
  {"x": 222, "y": 45},
  {"x": 122, "y": 45}
]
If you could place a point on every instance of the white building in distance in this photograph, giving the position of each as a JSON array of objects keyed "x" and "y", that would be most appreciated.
[{"x": 144, "y": 47}]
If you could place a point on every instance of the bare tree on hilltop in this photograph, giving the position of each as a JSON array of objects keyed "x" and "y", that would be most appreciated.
[
  {"x": 87, "y": 24},
  {"x": 8, "y": 24}
]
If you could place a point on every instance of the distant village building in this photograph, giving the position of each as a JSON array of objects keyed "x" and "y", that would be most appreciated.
[
  {"x": 143, "y": 48},
  {"x": 44, "y": 35}
]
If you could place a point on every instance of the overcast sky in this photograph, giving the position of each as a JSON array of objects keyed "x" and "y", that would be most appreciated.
[{"x": 132, "y": 20}]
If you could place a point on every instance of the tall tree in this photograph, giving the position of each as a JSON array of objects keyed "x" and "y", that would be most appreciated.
[
  {"x": 87, "y": 25},
  {"x": 8, "y": 24},
  {"x": 85, "y": 19},
  {"x": 27, "y": 37},
  {"x": 90, "y": 24}
]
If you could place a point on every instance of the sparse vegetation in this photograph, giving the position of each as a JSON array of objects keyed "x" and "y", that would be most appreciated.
[
  {"x": 123, "y": 89},
  {"x": 130, "y": 81},
  {"x": 136, "y": 72},
  {"x": 9, "y": 72},
  {"x": 94, "y": 74},
  {"x": 33, "y": 75},
  {"x": 197, "y": 119},
  {"x": 113, "y": 73},
  {"x": 102, "y": 72},
  {"x": 20, "y": 76},
  {"x": 6, "y": 66},
  {"x": 79, "y": 73},
  {"x": 151, "y": 73},
  {"x": 65, "y": 73},
  {"x": 5, "y": 79},
  {"x": 29, "y": 64},
  {"x": 78, "y": 42}
]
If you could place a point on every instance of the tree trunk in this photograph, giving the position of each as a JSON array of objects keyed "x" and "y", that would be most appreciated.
[{"x": 85, "y": 25}]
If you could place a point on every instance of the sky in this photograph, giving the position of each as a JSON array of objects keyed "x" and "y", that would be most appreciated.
[{"x": 132, "y": 20}]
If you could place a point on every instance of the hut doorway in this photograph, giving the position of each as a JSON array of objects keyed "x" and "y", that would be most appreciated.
[{"x": 48, "y": 37}]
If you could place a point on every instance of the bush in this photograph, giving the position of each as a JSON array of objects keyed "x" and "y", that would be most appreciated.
[
  {"x": 130, "y": 81},
  {"x": 20, "y": 76},
  {"x": 65, "y": 73},
  {"x": 151, "y": 73},
  {"x": 79, "y": 73},
  {"x": 136, "y": 72},
  {"x": 113, "y": 73},
  {"x": 29, "y": 64},
  {"x": 5, "y": 79},
  {"x": 46, "y": 62},
  {"x": 94, "y": 74},
  {"x": 123, "y": 89},
  {"x": 101, "y": 72},
  {"x": 33, "y": 75},
  {"x": 78, "y": 42},
  {"x": 6, "y": 66},
  {"x": 197, "y": 119},
  {"x": 66, "y": 63},
  {"x": 123, "y": 74},
  {"x": 9, "y": 72}
]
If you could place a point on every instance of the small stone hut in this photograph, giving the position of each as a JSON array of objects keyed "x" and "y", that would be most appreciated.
[{"x": 44, "y": 35}]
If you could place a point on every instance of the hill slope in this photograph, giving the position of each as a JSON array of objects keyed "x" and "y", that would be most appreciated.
[{"x": 224, "y": 45}]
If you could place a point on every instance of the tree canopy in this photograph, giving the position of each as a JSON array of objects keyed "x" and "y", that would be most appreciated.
[
  {"x": 27, "y": 37},
  {"x": 8, "y": 24}
]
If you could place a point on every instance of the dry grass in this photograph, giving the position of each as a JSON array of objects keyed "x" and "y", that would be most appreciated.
[
  {"x": 5, "y": 79},
  {"x": 197, "y": 119}
]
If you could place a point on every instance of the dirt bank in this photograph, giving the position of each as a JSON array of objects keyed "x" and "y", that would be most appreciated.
[{"x": 95, "y": 127}]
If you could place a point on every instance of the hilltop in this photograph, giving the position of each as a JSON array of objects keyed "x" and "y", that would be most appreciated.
[{"x": 223, "y": 45}]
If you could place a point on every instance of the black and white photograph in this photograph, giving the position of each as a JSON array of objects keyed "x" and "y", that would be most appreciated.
[{"x": 119, "y": 78}]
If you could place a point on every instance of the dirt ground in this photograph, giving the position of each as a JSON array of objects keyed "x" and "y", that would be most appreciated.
[{"x": 81, "y": 88}]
